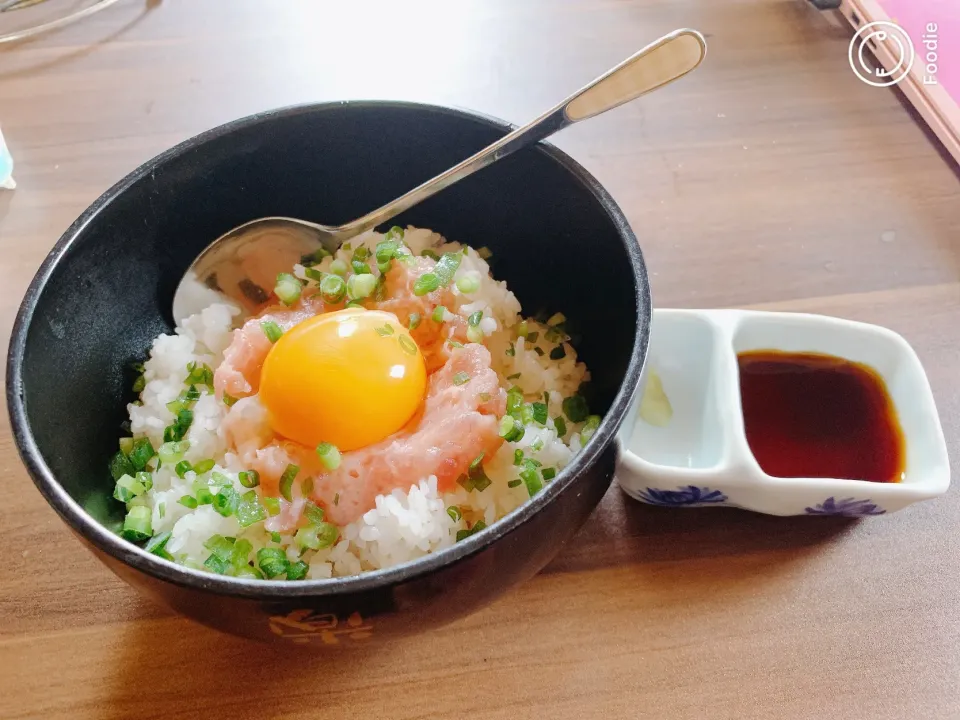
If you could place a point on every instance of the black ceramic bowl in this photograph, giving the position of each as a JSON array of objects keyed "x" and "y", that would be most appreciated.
[{"x": 105, "y": 290}]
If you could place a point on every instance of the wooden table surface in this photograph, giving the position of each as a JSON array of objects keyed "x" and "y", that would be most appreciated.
[{"x": 770, "y": 178}]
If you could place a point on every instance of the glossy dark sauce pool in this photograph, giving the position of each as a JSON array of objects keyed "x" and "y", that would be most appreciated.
[{"x": 812, "y": 415}]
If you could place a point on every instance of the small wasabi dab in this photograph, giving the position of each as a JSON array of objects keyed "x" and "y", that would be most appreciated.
[{"x": 6, "y": 166}]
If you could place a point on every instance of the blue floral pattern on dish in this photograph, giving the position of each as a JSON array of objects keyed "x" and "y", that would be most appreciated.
[
  {"x": 684, "y": 496},
  {"x": 845, "y": 506}
]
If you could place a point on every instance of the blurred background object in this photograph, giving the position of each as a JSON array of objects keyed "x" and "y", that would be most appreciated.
[{"x": 21, "y": 19}]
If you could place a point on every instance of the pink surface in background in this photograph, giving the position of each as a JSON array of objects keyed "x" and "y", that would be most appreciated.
[{"x": 913, "y": 16}]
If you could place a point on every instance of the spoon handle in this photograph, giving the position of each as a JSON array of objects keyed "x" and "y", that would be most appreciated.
[{"x": 660, "y": 63}]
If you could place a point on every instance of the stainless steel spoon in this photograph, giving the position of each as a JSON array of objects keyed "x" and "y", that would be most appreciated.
[{"x": 243, "y": 263}]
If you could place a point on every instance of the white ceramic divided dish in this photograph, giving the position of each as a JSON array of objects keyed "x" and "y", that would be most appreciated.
[{"x": 701, "y": 456}]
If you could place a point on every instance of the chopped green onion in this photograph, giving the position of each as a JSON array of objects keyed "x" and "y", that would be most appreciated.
[
  {"x": 429, "y": 254},
  {"x": 338, "y": 267},
  {"x": 217, "y": 479},
  {"x": 560, "y": 425},
  {"x": 514, "y": 399},
  {"x": 555, "y": 335},
  {"x": 462, "y": 534},
  {"x": 136, "y": 525},
  {"x": 333, "y": 289},
  {"x": 514, "y": 483},
  {"x": 537, "y": 445},
  {"x": 313, "y": 258},
  {"x": 475, "y": 463},
  {"x": 379, "y": 290},
  {"x": 297, "y": 570},
  {"x": 413, "y": 322},
  {"x": 539, "y": 351},
  {"x": 286, "y": 481},
  {"x": 139, "y": 384},
  {"x": 407, "y": 344},
  {"x": 120, "y": 465},
  {"x": 157, "y": 545},
  {"x": 329, "y": 455},
  {"x": 216, "y": 565},
  {"x": 199, "y": 375},
  {"x": 556, "y": 319},
  {"x": 272, "y": 561},
  {"x": 394, "y": 234},
  {"x": 313, "y": 513},
  {"x": 485, "y": 252},
  {"x": 361, "y": 286},
  {"x": 249, "y": 510},
  {"x": 275, "y": 536},
  {"x": 446, "y": 268},
  {"x": 145, "y": 479},
  {"x": 517, "y": 456},
  {"x": 188, "y": 501},
  {"x": 461, "y": 378},
  {"x": 532, "y": 337},
  {"x": 426, "y": 283},
  {"x": 575, "y": 408},
  {"x": 313, "y": 274},
  {"x": 162, "y": 509},
  {"x": 385, "y": 331},
  {"x": 438, "y": 313},
  {"x": 526, "y": 414},
  {"x": 548, "y": 473},
  {"x": 481, "y": 482},
  {"x": 360, "y": 267},
  {"x": 182, "y": 468},
  {"x": 355, "y": 304},
  {"x": 184, "y": 400},
  {"x": 522, "y": 329},
  {"x": 126, "y": 445},
  {"x": 306, "y": 487},
  {"x": 454, "y": 344},
  {"x": 386, "y": 251},
  {"x": 287, "y": 288},
  {"x": 226, "y": 501},
  {"x": 454, "y": 512},
  {"x": 558, "y": 353},
  {"x": 271, "y": 330},
  {"x": 589, "y": 428},
  {"x": 531, "y": 463},
  {"x": 272, "y": 505},
  {"x": 510, "y": 429},
  {"x": 327, "y": 534},
  {"x": 204, "y": 496},
  {"x": 510, "y": 351},
  {"x": 177, "y": 431},
  {"x": 127, "y": 488},
  {"x": 468, "y": 284},
  {"x": 475, "y": 318},
  {"x": 229, "y": 400},
  {"x": 360, "y": 254},
  {"x": 539, "y": 413},
  {"x": 249, "y": 478},
  {"x": 204, "y": 466},
  {"x": 532, "y": 480},
  {"x": 347, "y": 246},
  {"x": 474, "y": 334}
]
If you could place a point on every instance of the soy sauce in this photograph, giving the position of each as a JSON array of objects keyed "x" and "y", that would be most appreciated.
[{"x": 812, "y": 415}]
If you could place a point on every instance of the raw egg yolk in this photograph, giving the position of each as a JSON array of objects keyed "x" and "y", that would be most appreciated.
[{"x": 351, "y": 377}]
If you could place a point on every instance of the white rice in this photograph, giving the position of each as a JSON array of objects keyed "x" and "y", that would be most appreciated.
[{"x": 404, "y": 525}]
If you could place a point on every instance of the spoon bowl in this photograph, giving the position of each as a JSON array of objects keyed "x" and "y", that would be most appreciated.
[{"x": 241, "y": 265}]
